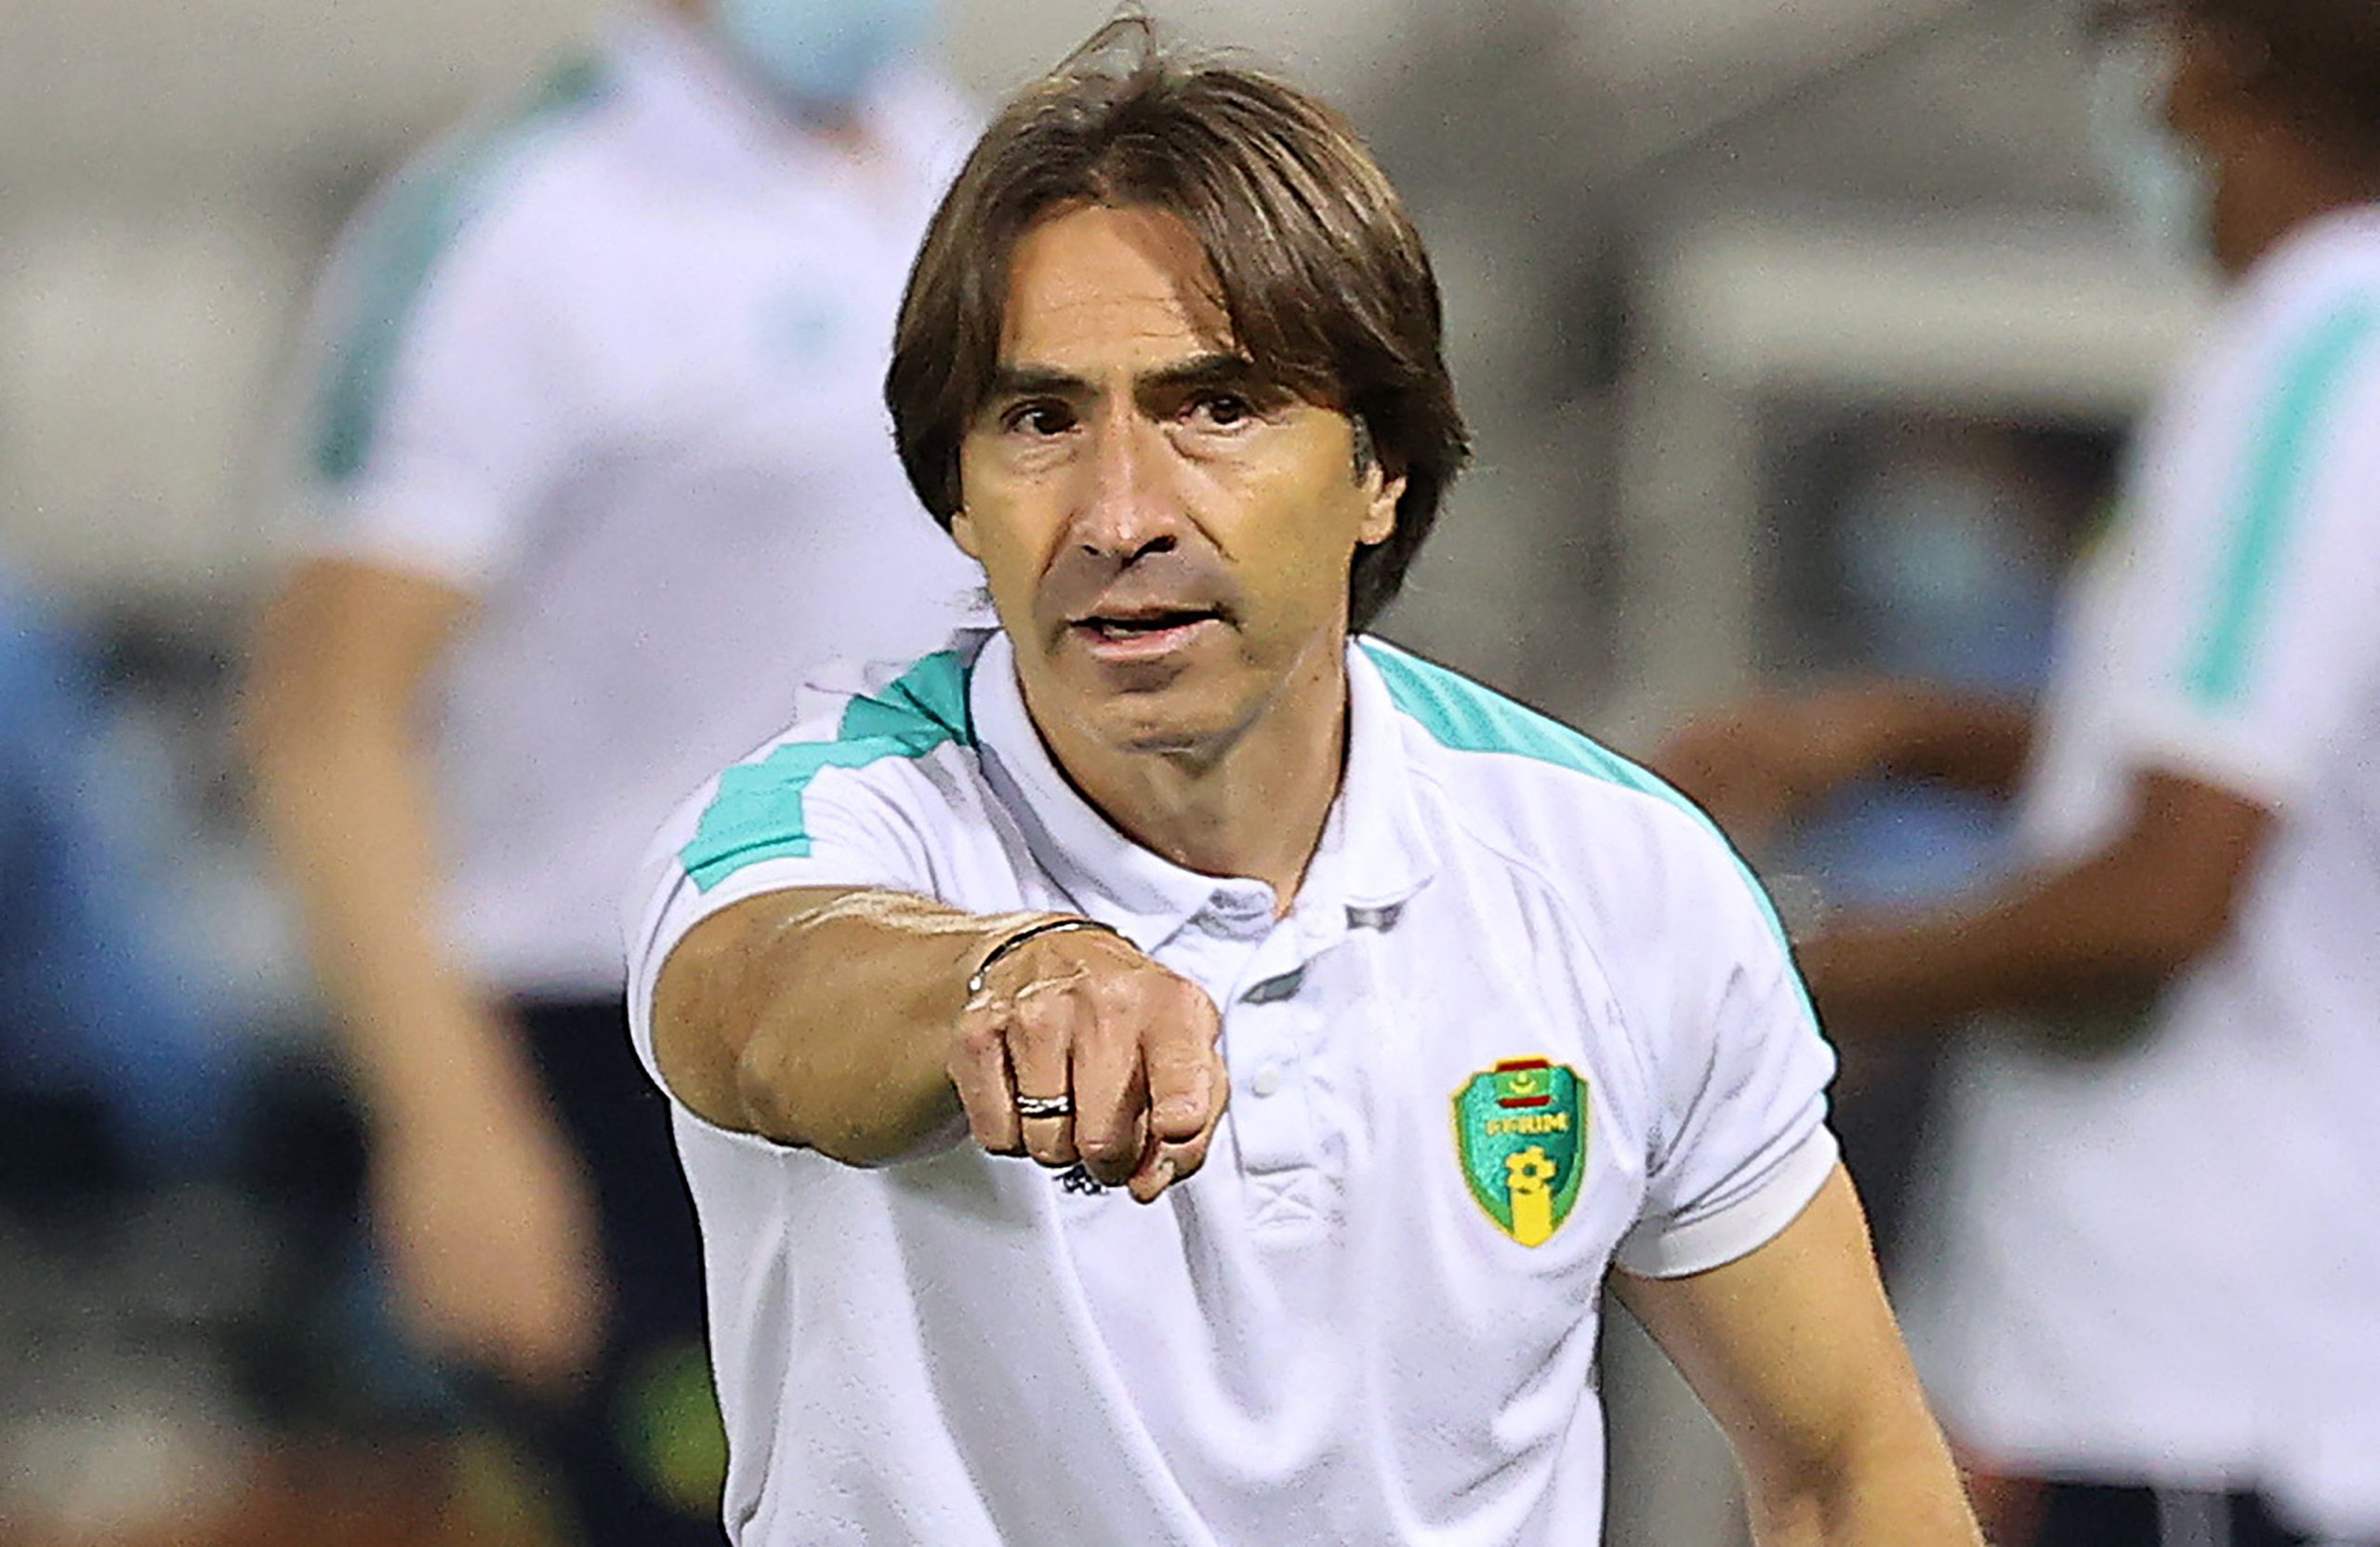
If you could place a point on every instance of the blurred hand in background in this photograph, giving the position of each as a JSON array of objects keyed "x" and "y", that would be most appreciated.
[
  {"x": 1759, "y": 764},
  {"x": 488, "y": 1222}
]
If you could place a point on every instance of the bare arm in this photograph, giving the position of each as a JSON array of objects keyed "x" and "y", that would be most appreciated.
[
  {"x": 333, "y": 736},
  {"x": 480, "y": 1203},
  {"x": 1755, "y": 765},
  {"x": 1795, "y": 1352},
  {"x": 841, "y": 1020},
  {"x": 823, "y": 1017},
  {"x": 2108, "y": 932},
  {"x": 1966, "y": 740}
]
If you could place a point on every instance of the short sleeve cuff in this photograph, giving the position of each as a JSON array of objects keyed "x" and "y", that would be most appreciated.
[
  {"x": 678, "y": 910},
  {"x": 1660, "y": 1248},
  {"x": 653, "y": 953},
  {"x": 441, "y": 537},
  {"x": 2229, "y": 755}
]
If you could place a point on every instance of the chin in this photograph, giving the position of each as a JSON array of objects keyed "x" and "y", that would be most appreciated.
[
  {"x": 1154, "y": 735},
  {"x": 1148, "y": 724}
]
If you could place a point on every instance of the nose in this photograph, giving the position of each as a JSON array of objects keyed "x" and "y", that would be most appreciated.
[{"x": 1125, "y": 510}]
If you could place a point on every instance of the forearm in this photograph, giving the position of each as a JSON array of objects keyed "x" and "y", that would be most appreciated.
[
  {"x": 1755, "y": 767},
  {"x": 345, "y": 805},
  {"x": 823, "y": 1018},
  {"x": 1793, "y": 1350},
  {"x": 1969, "y": 741},
  {"x": 1900, "y": 1490},
  {"x": 2100, "y": 934}
]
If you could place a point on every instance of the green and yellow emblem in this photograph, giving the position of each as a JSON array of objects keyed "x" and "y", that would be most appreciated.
[{"x": 1521, "y": 1131}]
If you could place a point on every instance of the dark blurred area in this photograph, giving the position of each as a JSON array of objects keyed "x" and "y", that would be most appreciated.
[{"x": 192, "y": 1322}]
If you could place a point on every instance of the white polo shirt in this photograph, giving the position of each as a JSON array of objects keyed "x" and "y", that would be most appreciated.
[
  {"x": 613, "y": 367},
  {"x": 1525, "y": 995},
  {"x": 2164, "y": 1263}
]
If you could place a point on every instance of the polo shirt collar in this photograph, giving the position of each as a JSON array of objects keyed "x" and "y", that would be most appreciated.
[{"x": 1375, "y": 852}]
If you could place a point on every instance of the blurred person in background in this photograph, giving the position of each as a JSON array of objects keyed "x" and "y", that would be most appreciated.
[
  {"x": 594, "y": 470},
  {"x": 2153, "y": 1298},
  {"x": 1943, "y": 565},
  {"x": 124, "y": 1085}
]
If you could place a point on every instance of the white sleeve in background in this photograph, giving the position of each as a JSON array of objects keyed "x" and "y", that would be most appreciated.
[
  {"x": 2250, "y": 624},
  {"x": 1740, "y": 1072},
  {"x": 439, "y": 404}
]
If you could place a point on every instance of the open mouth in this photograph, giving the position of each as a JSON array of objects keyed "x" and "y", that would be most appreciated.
[
  {"x": 1144, "y": 626},
  {"x": 1143, "y": 638}
]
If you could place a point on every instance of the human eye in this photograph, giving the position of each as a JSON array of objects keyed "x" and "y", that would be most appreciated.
[
  {"x": 1222, "y": 409},
  {"x": 1038, "y": 418}
]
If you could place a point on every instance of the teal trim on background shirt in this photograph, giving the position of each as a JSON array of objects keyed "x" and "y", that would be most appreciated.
[
  {"x": 758, "y": 814},
  {"x": 407, "y": 237},
  {"x": 2282, "y": 464},
  {"x": 1465, "y": 717}
]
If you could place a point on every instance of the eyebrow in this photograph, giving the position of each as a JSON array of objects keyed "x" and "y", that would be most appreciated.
[{"x": 1216, "y": 368}]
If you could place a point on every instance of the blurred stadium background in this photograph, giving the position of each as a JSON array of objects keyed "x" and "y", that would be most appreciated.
[{"x": 1794, "y": 336}]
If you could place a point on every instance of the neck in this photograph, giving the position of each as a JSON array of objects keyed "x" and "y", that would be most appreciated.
[{"x": 1252, "y": 805}]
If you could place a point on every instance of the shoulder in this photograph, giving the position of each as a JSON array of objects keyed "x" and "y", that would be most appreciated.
[
  {"x": 2275, "y": 424},
  {"x": 2325, "y": 265},
  {"x": 500, "y": 182},
  {"x": 513, "y": 149},
  {"x": 460, "y": 271},
  {"x": 931, "y": 123},
  {"x": 1516, "y": 771},
  {"x": 896, "y": 741},
  {"x": 2302, "y": 329},
  {"x": 1610, "y": 835}
]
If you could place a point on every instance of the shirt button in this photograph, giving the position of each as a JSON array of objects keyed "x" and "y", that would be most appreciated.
[{"x": 1267, "y": 1081}]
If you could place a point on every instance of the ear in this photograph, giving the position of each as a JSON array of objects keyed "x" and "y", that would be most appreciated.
[
  {"x": 1381, "y": 491},
  {"x": 962, "y": 532}
]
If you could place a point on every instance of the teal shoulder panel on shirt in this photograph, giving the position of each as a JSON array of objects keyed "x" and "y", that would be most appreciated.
[
  {"x": 1460, "y": 715},
  {"x": 758, "y": 814},
  {"x": 399, "y": 252},
  {"x": 2282, "y": 462}
]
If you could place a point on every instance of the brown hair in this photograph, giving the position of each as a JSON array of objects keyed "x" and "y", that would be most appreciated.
[{"x": 1320, "y": 270}]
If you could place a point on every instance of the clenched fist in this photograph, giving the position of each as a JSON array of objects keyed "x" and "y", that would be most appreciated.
[{"x": 1082, "y": 1020}]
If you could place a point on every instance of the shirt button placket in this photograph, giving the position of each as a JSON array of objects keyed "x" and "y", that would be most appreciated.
[{"x": 1275, "y": 1134}]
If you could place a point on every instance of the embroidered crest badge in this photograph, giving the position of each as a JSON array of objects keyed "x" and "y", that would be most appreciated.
[{"x": 1521, "y": 1131}]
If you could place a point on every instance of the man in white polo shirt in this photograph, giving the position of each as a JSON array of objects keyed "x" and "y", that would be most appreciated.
[
  {"x": 595, "y": 470},
  {"x": 1169, "y": 1072},
  {"x": 2149, "y": 1284}
]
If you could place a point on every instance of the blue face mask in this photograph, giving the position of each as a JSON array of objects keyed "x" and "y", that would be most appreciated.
[
  {"x": 822, "y": 53},
  {"x": 2165, "y": 187}
]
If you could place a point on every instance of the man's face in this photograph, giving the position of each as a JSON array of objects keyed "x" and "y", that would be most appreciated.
[{"x": 1167, "y": 534}]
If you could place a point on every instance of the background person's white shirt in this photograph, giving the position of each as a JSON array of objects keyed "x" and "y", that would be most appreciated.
[
  {"x": 1325, "y": 1335},
  {"x": 2164, "y": 1263},
  {"x": 615, "y": 367}
]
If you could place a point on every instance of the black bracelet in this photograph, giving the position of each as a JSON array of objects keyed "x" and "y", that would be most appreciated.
[{"x": 976, "y": 981}]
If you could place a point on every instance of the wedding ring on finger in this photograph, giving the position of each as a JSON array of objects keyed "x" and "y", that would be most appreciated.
[{"x": 1045, "y": 1106}]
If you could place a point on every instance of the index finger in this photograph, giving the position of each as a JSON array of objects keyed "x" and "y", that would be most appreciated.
[
  {"x": 1176, "y": 1053},
  {"x": 1167, "y": 1163}
]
